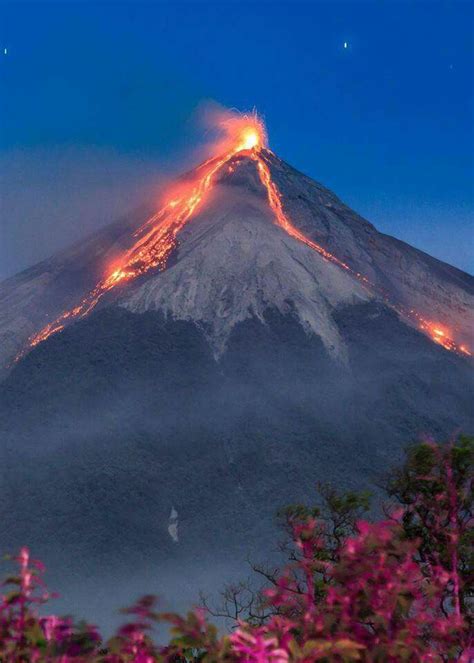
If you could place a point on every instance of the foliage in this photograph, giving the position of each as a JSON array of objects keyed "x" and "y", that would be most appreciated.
[
  {"x": 435, "y": 489},
  {"x": 337, "y": 515},
  {"x": 394, "y": 590}
]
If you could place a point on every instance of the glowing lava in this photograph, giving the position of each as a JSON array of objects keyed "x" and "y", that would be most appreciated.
[
  {"x": 442, "y": 336},
  {"x": 250, "y": 139},
  {"x": 439, "y": 334},
  {"x": 157, "y": 237},
  {"x": 274, "y": 200}
]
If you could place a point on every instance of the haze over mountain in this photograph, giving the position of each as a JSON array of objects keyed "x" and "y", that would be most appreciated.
[{"x": 150, "y": 436}]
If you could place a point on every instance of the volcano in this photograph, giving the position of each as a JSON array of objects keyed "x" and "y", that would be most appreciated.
[{"x": 173, "y": 380}]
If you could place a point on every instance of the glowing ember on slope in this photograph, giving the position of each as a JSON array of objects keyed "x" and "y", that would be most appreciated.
[
  {"x": 156, "y": 238},
  {"x": 442, "y": 336}
]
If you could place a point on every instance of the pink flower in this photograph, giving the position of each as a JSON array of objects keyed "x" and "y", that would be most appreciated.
[{"x": 256, "y": 647}]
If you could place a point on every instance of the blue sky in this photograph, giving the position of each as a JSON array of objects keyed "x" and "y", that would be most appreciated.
[{"x": 387, "y": 122}]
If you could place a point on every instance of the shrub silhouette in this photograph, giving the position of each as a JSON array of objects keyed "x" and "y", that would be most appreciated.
[{"x": 394, "y": 590}]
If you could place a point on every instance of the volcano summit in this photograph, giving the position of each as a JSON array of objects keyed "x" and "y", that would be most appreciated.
[
  {"x": 156, "y": 240},
  {"x": 215, "y": 359}
]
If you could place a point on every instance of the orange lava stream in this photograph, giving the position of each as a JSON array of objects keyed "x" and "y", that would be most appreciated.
[
  {"x": 274, "y": 200},
  {"x": 157, "y": 237},
  {"x": 438, "y": 333}
]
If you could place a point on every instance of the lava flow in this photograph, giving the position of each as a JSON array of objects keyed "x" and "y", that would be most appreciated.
[
  {"x": 439, "y": 334},
  {"x": 157, "y": 238}
]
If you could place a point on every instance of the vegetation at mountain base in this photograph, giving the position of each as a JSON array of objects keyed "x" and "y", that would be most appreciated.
[{"x": 399, "y": 589}]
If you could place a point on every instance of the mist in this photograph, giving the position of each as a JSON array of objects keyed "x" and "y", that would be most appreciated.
[{"x": 53, "y": 197}]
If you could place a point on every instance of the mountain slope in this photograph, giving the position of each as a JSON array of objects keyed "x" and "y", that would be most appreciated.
[
  {"x": 38, "y": 294},
  {"x": 425, "y": 291},
  {"x": 438, "y": 291},
  {"x": 107, "y": 427},
  {"x": 219, "y": 388}
]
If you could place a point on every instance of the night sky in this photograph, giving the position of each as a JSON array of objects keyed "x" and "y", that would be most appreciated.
[{"x": 98, "y": 100}]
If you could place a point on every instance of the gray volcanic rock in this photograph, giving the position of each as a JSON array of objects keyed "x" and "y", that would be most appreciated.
[
  {"x": 217, "y": 391},
  {"x": 250, "y": 265},
  {"x": 439, "y": 292}
]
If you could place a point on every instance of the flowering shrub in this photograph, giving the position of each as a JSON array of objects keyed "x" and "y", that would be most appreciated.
[
  {"x": 395, "y": 590},
  {"x": 378, "y": 606}
]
